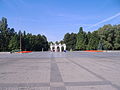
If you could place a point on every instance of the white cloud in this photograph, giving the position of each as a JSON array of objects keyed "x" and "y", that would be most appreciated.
[{"x": 105, "y": 20}]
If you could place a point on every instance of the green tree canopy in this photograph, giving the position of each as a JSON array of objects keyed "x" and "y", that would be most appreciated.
[
  {"x": 10, "y": 40},
  {"x": 70, "y": 41},
  {"x": 81, "y": 40}
]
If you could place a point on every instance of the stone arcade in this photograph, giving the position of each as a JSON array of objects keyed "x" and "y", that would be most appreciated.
[{"x": 58, "y": 48}]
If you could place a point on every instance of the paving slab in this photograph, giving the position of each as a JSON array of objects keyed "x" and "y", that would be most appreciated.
[{"x": 60, "y": 71}]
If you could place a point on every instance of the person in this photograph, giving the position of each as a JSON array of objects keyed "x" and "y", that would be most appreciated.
[{"x": 65, "y": 51}]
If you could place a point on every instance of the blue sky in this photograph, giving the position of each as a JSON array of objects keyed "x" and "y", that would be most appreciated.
[{"x": 54, "y": 18}]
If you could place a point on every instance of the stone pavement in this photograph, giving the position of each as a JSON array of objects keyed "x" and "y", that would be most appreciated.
[{"x": 60, "y": 71}]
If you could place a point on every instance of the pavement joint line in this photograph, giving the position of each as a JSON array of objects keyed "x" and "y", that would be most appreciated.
[
  {"x": 102, "y": 78},
  {"x": 55, "y": 75},
  {"x": 104, "y": 65},
  {"x": 62, "y": 62},
  {"x": 98, "y": 76},
  {"x": 57, "y": 88},
  {"x": 24, "y": 84},
  {"x": 115, "y": 86},
  {"x": 90, "y": 83}
]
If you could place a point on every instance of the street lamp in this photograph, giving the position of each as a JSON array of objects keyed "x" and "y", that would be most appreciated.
[{"x": 20, "y": 42}]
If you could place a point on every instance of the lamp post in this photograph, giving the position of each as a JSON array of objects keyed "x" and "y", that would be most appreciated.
[{"x": 20, "y": 41}]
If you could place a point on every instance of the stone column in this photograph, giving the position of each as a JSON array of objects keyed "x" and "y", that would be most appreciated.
[
  {"x": 51, "y": 47},
  {"x": 64, "y": 46},
  {"x": 60, "y": 46},
  {"x": 55, "y": 47}
]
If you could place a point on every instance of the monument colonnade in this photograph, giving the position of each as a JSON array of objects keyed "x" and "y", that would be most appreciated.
[{"x": 55, "y": 47}]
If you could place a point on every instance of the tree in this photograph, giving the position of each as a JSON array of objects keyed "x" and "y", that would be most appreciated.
[
  {"x": 14, "y": 44},
  {"x": 66, "y": 40},
  {"x": 45, "y": 43},
  {"x": 107, "y": 35},
  {"x": 10, "y": 40},
  {"x": 4, "y": 34},
  {"x": 70, "y": 41},
  {"x": 117, "y": 38},
  {"x": 81, "y": 40},
  {"x": 94, "y": 41},
  {"x": 62, "y": 42},
  {"x": 88, "y": 39},
  {"x": 57, "y": 42}
]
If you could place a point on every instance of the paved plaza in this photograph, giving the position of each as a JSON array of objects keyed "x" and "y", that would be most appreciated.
[{"x": 60, "y": 71}]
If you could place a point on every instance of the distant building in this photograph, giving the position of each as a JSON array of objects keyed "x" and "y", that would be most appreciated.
[{"x": 57, "y": 47}]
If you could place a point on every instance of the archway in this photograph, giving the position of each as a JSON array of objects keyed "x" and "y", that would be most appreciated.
[
  {"x": 62, "y": 48},
  {"x": 53, "y": 49},
  {"x": 58, "y": 49}
]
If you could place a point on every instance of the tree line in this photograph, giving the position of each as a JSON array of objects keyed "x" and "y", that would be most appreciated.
[
  {"x": 105, "y": 38},
  {"x": 10, "y": 39}
]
